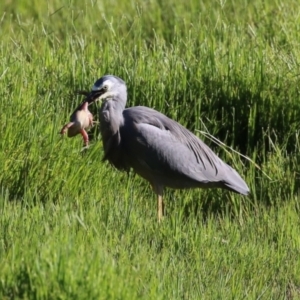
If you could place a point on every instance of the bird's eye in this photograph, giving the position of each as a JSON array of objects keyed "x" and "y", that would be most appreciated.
[{"x": 105, "y": 88}]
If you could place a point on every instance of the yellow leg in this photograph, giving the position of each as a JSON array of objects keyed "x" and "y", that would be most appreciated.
[
  {"x": 158, "y": 190},
  {"x": 160, "y": 208}
]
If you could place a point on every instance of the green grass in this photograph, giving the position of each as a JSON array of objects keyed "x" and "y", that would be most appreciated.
[{"x": 72, "y": 227}]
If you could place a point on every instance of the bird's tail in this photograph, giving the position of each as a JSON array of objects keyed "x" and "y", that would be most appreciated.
[{"x": 236, "y": 184}]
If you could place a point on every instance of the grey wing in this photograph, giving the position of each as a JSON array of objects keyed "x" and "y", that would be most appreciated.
[{"x": 173, "y": 153}]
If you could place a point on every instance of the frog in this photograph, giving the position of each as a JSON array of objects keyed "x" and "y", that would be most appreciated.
[{"x": 80, "y": 120}]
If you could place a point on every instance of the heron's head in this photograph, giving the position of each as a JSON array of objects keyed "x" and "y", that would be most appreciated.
[{"x": 108, "y": 87}]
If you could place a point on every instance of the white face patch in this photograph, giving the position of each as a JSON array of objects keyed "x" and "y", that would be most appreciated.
[{"x": 107, "y": 83}]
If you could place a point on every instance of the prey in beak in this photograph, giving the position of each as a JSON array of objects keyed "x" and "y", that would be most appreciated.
[{"x": 80, "y": 120}]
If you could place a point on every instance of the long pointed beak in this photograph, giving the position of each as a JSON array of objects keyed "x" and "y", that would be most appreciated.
[
  {"x": 90, "y": 97},
  {"x": 93, "y": 95}
]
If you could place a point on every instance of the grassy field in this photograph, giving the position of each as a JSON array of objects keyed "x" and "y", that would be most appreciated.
[{"x": 72, "y": 227}]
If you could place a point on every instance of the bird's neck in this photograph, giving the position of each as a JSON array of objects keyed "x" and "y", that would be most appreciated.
[
  {"x": 118, "y": 103},
  {"x": 111, "y": 113}
]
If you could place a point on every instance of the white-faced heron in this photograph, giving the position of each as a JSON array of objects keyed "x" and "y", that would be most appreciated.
[{"x": 156, "y": 147}]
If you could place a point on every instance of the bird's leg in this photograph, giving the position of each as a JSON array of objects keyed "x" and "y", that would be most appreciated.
[
  {"x": 160, "y": 208},
  {"x": 160, "y": 204}
]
